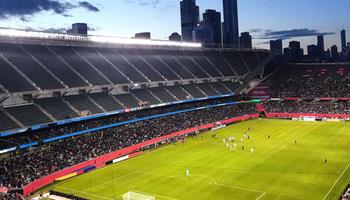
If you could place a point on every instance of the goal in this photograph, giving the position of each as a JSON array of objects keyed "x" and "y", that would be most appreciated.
[{"x": 137, "y": 196}]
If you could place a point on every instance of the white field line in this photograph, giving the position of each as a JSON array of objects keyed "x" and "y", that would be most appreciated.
[
  {"x": 215, "y": 183},
  {"x": 259, "y": 197},
  {"x": 341, "y": 175},
  {"x": 208, "y": 177},
  {"x": 88, "y": 193},
  {"x": 163, "y": 197}
]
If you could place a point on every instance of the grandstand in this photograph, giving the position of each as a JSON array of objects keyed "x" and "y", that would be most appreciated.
[
  {"x": 57, "y": 81},
  {"x": 71, "y": 104}
]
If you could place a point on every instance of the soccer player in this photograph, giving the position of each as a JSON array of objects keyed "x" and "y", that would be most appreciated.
[
  {"x": 187, "y": 172},
  {"x": 252, "y": 150}
]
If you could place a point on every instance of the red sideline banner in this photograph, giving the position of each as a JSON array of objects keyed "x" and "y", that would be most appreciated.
[
  {"x": 297, "y": 115},
  {"x": 100, "y": 161}
]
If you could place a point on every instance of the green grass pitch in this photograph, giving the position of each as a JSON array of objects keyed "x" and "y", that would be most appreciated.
[{"x": 277, "y": 169}]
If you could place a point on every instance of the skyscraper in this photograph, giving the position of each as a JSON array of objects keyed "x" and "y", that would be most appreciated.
[
  {"x": 203, "y": 34},
  {"x": 335, "y": 53},
  {"x": 343, "y": 39},
  {"x": 189, "y": 18},
  {"x": 320, "y": 42},
  {"x": 276, "y": 46},
  {"x": 212, "y": 18},
  {"x": 230, "y": 29},
  {"x": 246, "y": 40}
]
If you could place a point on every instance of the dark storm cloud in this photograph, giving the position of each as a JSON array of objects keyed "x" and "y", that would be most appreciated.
[
  {"x": 289, "y": 34},
  {"x": 27, "y": 8}
]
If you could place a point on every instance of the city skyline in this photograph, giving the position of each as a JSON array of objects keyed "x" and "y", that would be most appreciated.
[{"x": 264, "y": 19}]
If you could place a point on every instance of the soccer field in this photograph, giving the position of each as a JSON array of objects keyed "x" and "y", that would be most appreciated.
[{"x": 278, "y": 168}]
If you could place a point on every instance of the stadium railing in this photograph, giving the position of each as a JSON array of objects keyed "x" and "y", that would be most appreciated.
[{"x": 130, "y": 151}]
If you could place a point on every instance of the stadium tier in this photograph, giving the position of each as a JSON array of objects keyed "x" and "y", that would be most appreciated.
[
  {"x": 35, "y": 67},
  {"x": 58, "y": 81},
  {"x": 311, "y": 81}
]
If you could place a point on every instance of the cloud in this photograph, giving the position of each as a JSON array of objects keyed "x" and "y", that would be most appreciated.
[
  {"x": 88, "y": 6},
  {"x": 289, "y": 34},
  {"x": 23, "y": 9},
  {"x": 153, "y": 3}
]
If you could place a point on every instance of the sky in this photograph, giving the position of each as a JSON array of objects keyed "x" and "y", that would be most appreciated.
[{"x": 266, "y": 19}]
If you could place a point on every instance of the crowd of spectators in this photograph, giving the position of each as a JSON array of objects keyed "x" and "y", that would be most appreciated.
[
  {"x": 37, "y": 136},
  {"x": 24, "y": 168},
  {"x": 312, "y": 88},
  {"x": 304, "y": 106}
]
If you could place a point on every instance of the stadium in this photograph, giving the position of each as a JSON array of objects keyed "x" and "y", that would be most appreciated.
[{"x": 108, "y": 118}]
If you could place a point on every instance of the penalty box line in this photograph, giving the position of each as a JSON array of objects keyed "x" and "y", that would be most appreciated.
[{"x": 214, "y": 183}]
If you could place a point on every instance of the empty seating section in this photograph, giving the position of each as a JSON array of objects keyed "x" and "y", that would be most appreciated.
[
  {"x": 106, "y": 101},
  {"x": 162, "y": 94},
  {"x": 122, "y": 65},
  {"x": 189, "y": 64},
  {"x": 29, "y": 67},
  {"x": 160, "y": 66},
  {"x": 28, "y": 115},
  {"x": 236, "y": 62},
  {"x": 178, "y": 92},
  {"x": 57, "y": 108},
  {"x": 127, "y": 100},
  {"x": 220, "y": 88},
  {"x": 251, "y": 59},
  {"x": 12, "y": 80},
  {"x": 233, "y": 86},
  {"x": 173, "y": 64},
  {"x": 193, "y": 90},
  {"x": 204, "y": 63},
  {"x": 145, "y": 96},
  {"x": 102, "y": 65},
  {"x": 80, "y": 65},
  {"x": 220, "y": 63},
  {"x": 209, "y": 91},
  {"x": 82, "y": 103},
  {"x": 55, "y": 65},
  {"x": 141, "y": 65},
  {"x": 6, "y": 123}
]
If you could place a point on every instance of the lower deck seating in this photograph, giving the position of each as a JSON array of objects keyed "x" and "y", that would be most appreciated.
[
  {"x": 145, "y": 96},
  {"x": 57, "y": 108},
  {"x": 162, "y": 94},
  {"x": 28, "y": 115},
  {"x": 220, "y": 88},
  {"x": 194, "y": 91},
  {"x": 207, "y": 89},
  {"x": 106, "y": 101},
  {"x": 178, "y": 92},
  {"x": 82, "y": 103},
  {"x": 233, "y": 86},
  {"x": 128, "y": 100},
  {"x": 7, "y": 123}
]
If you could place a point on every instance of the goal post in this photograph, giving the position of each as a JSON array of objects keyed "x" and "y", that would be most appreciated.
[{"x": 137, "y": 196}]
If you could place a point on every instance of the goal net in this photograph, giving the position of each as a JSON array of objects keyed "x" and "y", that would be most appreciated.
[{"x": 137, "y": 196}]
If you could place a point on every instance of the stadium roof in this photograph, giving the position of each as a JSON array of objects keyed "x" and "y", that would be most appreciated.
[{"x": 6, "y": 32}]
